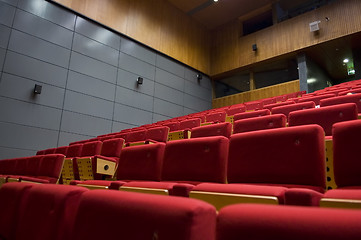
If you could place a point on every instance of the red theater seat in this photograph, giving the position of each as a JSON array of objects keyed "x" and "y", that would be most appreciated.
[
  {"x": 189, "y": 124},
  {"x": 239, "y": 108},
  {"x": 325, "y": 116},
  {"x": 284, "y": 158},
  {"x": 315, "y": 99},
  {"x": 259, "y": 222},
  {"x": 257, "y": 113},
  {"x": 217, "y": 117},
  {"x": 347, "y": 167},
  {"x": 189, "y": 162},
  {"x": 219, "y": 129},
  {"x": 259, "y": 123},
  {"x": 354, "y": 98},
  {"x": 271, "y": 106},
  {"x": 293, "y": 107},
  {"x": 121, "y": 215},
  {"x": 157, "y": 134}
]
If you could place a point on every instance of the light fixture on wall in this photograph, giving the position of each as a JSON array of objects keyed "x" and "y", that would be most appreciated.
[
  {"x": 139, "y": 81},
  {"x": 37, "y": 89},
  {"x": 199, "y": 76}
]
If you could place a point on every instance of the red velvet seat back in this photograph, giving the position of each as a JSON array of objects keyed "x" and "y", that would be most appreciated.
[
  {"x": 198, "y": 159},
  {"x": 48, "y": 212},
  {"x": 62, "y": 150},
  {"x": 346, "y": 145},
  {"x": 8, "y": 166},
  {"x": 137, "y": 136},
  {"x": 257, "y": 113},
  {"x": 112, "y": 147},
  {"x": 259, "y": 222},
  {"x": 325, "y": 116},
  {"x": 293, "y": 107},
  {"x": 142, "y": 162},
  {"x": 173, "y": 126},
  {"x": 11, "y": 199},
  {"x": 219, "y": 129},
  {"x": 139, "y": 216},
  {"x": 259, "y": 123},
  {"x": 40, "y": 152},
  {"x": 216, "y": 117},
  {"x": 49, "y": 151},
  {"x": 254, "y": 105},
  {"x": 189, "y": 123},
  {"x": 236, "y": 109},
  {"x": 33, "y": 165},
  {"x": 354, "y": 98},
  {"x": 158, "y": 134},
  {"x": 315, "y": 99},
  {"x": 74, "y": 150},
  {"x": 21, "y": 166},
  {"x": 293, "y": 155},
  {"x": 270, "y": 106},
  {"x": 51, "y": 166},
  {"x": 91, "y": 149}
]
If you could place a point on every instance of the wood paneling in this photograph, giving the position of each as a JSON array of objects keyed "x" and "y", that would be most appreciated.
[
  {"x": 230, "y": 51},
  {"x": 155, "y": 23},
  {"x": 272, "y": 91}
]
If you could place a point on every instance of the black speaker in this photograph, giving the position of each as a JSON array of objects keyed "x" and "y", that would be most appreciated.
[
  {"x": 140, "y": 81},
  {"x": 37, "y": 89},
  {"x": 254, "y": 47}
]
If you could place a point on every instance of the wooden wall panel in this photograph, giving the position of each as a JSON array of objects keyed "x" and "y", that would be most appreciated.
[
  {"x": 155, "y": 23},
  {"x": 230, "y": 51},
  {"x": 272, "y": 91}
]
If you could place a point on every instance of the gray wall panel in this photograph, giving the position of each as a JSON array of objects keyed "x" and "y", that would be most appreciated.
[
  {"x": 50, "y": 95},
  {"x": 197, "y": 91},
  {"x": 189, "y": 111},
  {"x": 158, "y": 117},
  {"x": 136, "y": 66},
  {"x": 196, "y": 103},
  {"x": 96, "y": 50},
  {"x": 85, "y": 125},
  {"x": 15, "y": 153},
  {"x": 4, "y": 36},
  {"x": 97, "y": 33},
  {"x": 167, "y": 108},
  {"x": 49, "y": 11},
  {"x": 169, "y": 79},
  {"x": 91, "y": 86},
  {"x": 169, "y": 94},
  {"x": 43, "y": 29},
  {"x": 11, "y": 2},
  {"x": 134, "y": 99},
  {"x": 29, "y": 114},
  {"x": 38, "y": 48},
  {"x": 136, "y": 50},
  {"x": 2, "y": 58},
  {"x": 191, "y": 75},
  {"x": 129, "y": 80},
  {"x": 170, "y": 66},
  {"x": 77, "y": 102},
  {"x": 88, "y": 75},
  {"x": 92, "y": 67},
  {"x": 7, "y": 14},
  {"x": 65, "y": 138},
  {"x": 27, "y": 67},
  {"x": 131, "y": 115},
  {"x": 24, "y": 137},
  {"x": 118, "y": 126}
]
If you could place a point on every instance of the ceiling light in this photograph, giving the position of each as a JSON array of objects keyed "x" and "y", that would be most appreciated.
[
  {"x": 346, "y": 60},
  {"x": 215, "y": 0},
  {"x": 311, "y": 80}
]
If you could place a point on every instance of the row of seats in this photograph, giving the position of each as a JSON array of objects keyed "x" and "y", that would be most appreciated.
[
  {"x": 40, "y": 168},
  {"x": 43, "y": 212}
]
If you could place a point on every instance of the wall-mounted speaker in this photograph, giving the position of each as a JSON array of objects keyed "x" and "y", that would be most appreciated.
[
  {"x": 254, "y": 47},
  {"x": 37, "y": 89},
  {"x": 139, "y": 80}
]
